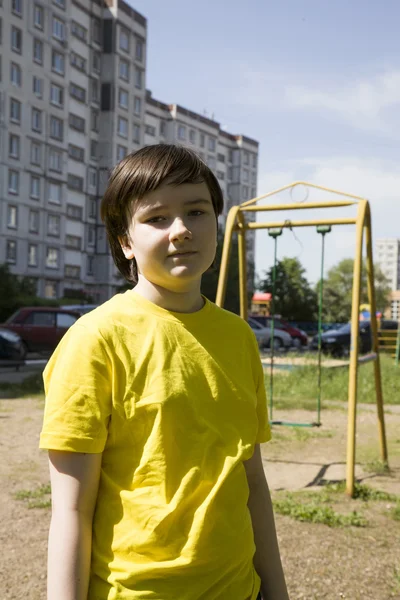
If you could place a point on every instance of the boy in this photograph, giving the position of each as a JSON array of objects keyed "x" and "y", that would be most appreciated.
[{"x": 155, "y": 408}]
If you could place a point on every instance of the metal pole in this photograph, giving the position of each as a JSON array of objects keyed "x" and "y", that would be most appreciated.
[
  {"x": 275, "y": 233},
  {"x": 398, "y": 345},
  {"x": 375, "y": 342},
  {"x": 323, "y": 231},
  {"x": 242, "y": 267},
  {"x": 223, "y": 274}
]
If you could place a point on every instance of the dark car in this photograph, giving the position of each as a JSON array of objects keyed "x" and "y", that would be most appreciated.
[
  {"x": 41, "y": 328},
  {"x": 11, "y": 346},
  {"x": 337, "y": 341},
  {"x": 299, "y": 337}
]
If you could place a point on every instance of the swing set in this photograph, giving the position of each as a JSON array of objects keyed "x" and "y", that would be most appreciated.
[{"x": 236, "y": 223}]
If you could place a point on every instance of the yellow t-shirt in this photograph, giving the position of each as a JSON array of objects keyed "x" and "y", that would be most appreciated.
[{"x": 176, "y": 403}]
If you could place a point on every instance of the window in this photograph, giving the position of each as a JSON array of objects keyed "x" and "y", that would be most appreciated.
[
  {"x": 94, "y": 120},
  {"x": 78, "y": 62},
  {"x": 211, "y": 162},
  {"x": 38, "y": 86},
  {"x": 34, "y": 221},
  {"x": 58, "y": 29},
  {"x": 245, "y": 175},
  {"x": 137, "y": 106},
  {"x": 73, "y": 241},
  {"x": 202, "y": 140},
  {"x": 139, "y": 50},
  {"x": 76, "y": 122},
  {"x": 230, "y": 155},
  {"x": 15, "y": 111},
  {"x": 58, "y": 62},
  {"x": 92, "y": 208},
  {"x": 220, "y": 175},
  {"x": 163, "y": 128},
  {"x": 36, "y": 153},
  {"x": 255, "y": 161},
  {"x": 93, "y": 150},
  {"x": 38, "y": 16},
  {"x": 221, "y": 158},
  {"x": 55, "y": 160},
  {"x": 91, "y": 235},
  {"x": 56, "y": 95},
  {"x": 123, "y": 69},
  {"x": 74, "y": 272},
  {"x": 52, "y": 258},
  {"x": 123, "y": 98},
  {"x": 78, "y": 31},
  {"x": 76, "y": 153},
  {"x": 150, "y": 130},
  {"x": 15, "y": 74},
  {"x": 245, "y": 192},
  {"x": 136, "y": 133},
  {"x": 122, "y": 127},
  {"x": 211, "y": 144},
  {"x": 93, "y": 178},
  {"x": 12, "y": 217},
  {"x": 253, "y": 192},
  {"x": 35, "y": 187},
  {"x": 138, "y": 78},
  {"x": 56, "y": 128},
  {"x": 36, "y": 120},
  {"x": 53, "y": 225},
  {"x": 11, "y": 251},
  {"x": 13, "y": 146},
  {"x": 245, "y": 158},
  {"x": 75, "y": 183},
  {"x": 17, "y": 7},
  {"x": 16, "y": 40},
  {"x": 96, "y": 61},
  {"x": 254, "y": 177},
  {"x": 74, "y": 212},
  {"x": 192, "y": 136},
  {"x": 54, "y": 192},
  {"x": 89, "y": 265},
  {"x": 124, "y": 40},
  {"x": 38, "y": 51},
  {"x": 13, "y": 181},
  {"x": 122, "y": 151},
  {"x": 50, "y": 289},
  {"x": 181, "y": 132},
  {"x": 96, "y": 30},
  {"x": 77, "y": 92},
  {"x": 32, "y": 255},
  {"x": 94, "y": 91}
]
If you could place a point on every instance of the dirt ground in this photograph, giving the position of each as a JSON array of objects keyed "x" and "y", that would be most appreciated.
[{"x": 320, "y": 562}]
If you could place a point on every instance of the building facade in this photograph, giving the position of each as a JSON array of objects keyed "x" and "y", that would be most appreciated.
[
  {"x": 387, "y": 256},
  {"x": 73, "y": 102}
]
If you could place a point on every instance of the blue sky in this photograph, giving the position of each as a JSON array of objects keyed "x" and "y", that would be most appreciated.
[{"x": 316, "y": 82}]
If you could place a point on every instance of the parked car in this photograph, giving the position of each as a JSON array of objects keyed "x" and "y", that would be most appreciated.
[
  {"x": 82, "y": 309},
  {"x": 11, "y": 346},
  {"x": 41, "y": 327},
  {"x": 299, "y": 337},
  {"x": 263, "y": 335},
  {"x": 337, "y": 341}
]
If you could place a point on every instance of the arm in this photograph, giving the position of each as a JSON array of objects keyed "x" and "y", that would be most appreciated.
[
  {"x": 267, "y": 561},
  {"x": 74, "y": 483}
]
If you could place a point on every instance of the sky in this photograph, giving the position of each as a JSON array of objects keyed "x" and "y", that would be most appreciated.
[{"x": 316, "y": 82}]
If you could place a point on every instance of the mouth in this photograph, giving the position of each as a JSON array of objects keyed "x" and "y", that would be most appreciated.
[{"x": 182, "y": 254}]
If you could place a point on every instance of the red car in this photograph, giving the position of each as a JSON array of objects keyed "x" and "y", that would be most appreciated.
[
  {"x": 299, "y": 337},
  {"x": 41, "y": 327}
]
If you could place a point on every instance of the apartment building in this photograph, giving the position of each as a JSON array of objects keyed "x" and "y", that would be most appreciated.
[
  {"x": 387, "y": 256},
  {"x": 73, "y": 103}
]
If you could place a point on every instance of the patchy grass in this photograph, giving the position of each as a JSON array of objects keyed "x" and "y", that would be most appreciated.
[
  {"x": 396, "y": 511},
  {"x": 36, "y": 498},
  {"x": 298, "y": 388},
  {"x": 377, "y": 467},
  {"x": 316, "y": 512}
]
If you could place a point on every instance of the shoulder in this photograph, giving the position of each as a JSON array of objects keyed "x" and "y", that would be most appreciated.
[{"x": 231, "y": 320}]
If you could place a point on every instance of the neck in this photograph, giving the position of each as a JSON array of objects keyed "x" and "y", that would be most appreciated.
[{"x": 184, "y": 301}]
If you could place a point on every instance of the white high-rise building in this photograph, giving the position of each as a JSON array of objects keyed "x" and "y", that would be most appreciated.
[
  {"x": 387, "y": 256},
  {"x": 73, "y": 102}
]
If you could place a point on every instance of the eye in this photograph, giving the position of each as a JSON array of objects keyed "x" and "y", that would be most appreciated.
[
  {"x": 196, "y": 213},
  {"x": 155, "y": 219}
]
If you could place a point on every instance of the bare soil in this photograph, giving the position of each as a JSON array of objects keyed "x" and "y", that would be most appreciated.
[{"x": 320, "y": 562}]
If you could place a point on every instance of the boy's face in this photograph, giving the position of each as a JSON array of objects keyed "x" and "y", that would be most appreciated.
[{"x": 173, "y": 236}]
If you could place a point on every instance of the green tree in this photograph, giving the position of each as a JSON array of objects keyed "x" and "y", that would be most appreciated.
[
  {"x": 338, "y": 290},
  {"x": 16, "y": 292},
  {"x": 294, "y": 298}
]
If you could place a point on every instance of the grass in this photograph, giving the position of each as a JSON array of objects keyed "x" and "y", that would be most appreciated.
[
  {"x": 37, "y": 498},
  {"x": 298, "y": 388},
  {"x": 377, "y": 467},
  {"x": 316, "y": 506}
]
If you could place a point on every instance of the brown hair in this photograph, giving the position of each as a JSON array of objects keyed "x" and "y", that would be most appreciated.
[{"x": 140, "y": 173}]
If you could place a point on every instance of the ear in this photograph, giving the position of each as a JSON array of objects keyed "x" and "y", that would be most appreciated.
[{"x": 126, "y": 247}]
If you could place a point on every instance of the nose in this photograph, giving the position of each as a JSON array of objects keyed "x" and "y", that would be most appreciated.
[{"x": 179, "y": 231}]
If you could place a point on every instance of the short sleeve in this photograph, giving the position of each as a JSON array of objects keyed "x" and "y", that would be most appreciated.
[
  {"x": 77, "y": 381},
  {"x": 264, "y": 429}
]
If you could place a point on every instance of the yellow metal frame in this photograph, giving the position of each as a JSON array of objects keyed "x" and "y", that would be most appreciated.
[{"x": 236, "y": 222}]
